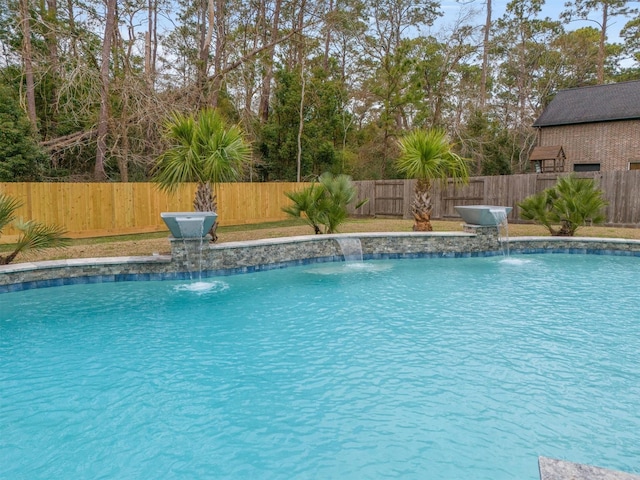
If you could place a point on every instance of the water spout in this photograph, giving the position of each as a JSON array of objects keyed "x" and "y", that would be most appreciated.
[
  {"x": 190, "y": 227},
  {"x": 191, "y": 222},
  {"x": 481, "y": 214}
]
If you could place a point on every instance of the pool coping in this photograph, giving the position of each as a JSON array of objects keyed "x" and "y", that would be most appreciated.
[{"x": 554, "y": 469}]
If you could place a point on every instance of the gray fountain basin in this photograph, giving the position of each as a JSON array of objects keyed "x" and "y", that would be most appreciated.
[
  {"x": 484, "y": 215},
  {"x": 189, "y": 224}
]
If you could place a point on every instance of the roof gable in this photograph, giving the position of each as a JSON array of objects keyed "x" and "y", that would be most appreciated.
[{"x": 600, "y": 103}]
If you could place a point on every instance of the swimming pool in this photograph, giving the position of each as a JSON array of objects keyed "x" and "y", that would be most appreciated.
[{"x": 422, "y": 368}]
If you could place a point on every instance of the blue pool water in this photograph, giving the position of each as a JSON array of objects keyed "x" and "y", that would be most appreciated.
[{"x": 410, "y": 369}]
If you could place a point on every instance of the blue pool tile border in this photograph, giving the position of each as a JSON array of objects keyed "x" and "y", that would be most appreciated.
[
  {"x": 180, "y": 276},
  {"x": 575, "y": 251},
  {"x": 184, "y": 276}
]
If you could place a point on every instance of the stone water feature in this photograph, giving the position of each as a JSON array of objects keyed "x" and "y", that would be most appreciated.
[
  {"x": 190, "y": 229},
  {"x": 487, "y": 219},
  {"x": 189, "y": 224},
  {"x": 483, "y": 215}
]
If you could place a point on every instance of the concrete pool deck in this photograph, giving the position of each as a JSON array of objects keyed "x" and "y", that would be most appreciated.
[
  {"x": 553, "y": 469},
  {"x": 189, "y": 256}
]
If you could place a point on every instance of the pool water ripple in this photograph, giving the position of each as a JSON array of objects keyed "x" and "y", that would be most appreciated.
[{"x": 436, "y": 368}]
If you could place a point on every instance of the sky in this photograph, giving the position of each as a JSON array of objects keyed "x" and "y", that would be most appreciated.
[{"x": 551, "y": 9}]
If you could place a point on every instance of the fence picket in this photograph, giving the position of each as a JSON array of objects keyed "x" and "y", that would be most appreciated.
[
  {"x": 98, "y": 209},
  {"x": 621, "y": 189}
]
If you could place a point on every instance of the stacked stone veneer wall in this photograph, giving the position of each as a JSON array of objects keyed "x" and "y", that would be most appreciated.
[
  {"x": 24, "y": 276},
  {"x": 611, "y": 144},
  {"x": 189, "y": 257},
  {"x": 250, "y": 256}
]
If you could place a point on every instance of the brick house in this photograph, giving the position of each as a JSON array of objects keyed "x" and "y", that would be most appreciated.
[{"x": 590, "y": 129}]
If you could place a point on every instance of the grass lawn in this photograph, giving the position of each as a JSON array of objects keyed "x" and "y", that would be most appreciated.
[{"x": 147, "y": 244}]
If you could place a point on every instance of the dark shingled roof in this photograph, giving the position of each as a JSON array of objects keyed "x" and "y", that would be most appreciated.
[{"x": 601, "y": 103}]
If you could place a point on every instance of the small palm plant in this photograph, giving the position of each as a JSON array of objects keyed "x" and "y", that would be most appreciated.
[
  {"x": 324, "y": 203},
  {"x": 205, "y": 150},
  {"x": 428, "y": 156},
  {"x": 33, "y": 235},
  {"x": 570, "y": 204}
]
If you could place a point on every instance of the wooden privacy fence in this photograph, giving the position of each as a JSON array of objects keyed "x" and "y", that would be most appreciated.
[
  {"x": 102, "y": 209},
  {"x": 393, "y": 197}
]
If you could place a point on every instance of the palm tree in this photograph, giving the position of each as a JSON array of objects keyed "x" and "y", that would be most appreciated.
[
  {"x": 571, "y": 203},
  {"x": 205, "y": 150},
  {"x": 427, "y": 155},
  {"x": 325, "y": 202},
  {"x": 33, "y": 235}
]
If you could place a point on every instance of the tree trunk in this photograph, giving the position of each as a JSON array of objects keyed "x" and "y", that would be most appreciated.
[
  {"x": 27, "y": 58},
  {"x": 268, "y": 68},
  {"x": 7, "y": 259},
  {"x": 151, "y": 43},
  {"x": 206, "y": 17},
  {"x": 327, "y": 36},
  {"x": 601, "y": 44},
  {"x": 72, "y": 30},
  {"x": 123, "y": 157},
  {"x": 521, "y": 80},
  {"x": 485, "y": 57},
  {"x": 51, "y": 37},
  {"x": 301, "y": 122},
  {"x": 205, "y": 201},
  {"x": 566, "y": 230},
  {"x": 103, "y": 120},
  {"x": 123, "y": 164},
  {"x": 421, "y": 207},
  {"x": 302, "y": 47},
  {"x": 220, "y": 21}
]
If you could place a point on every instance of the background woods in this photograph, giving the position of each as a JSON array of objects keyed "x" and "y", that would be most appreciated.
[{"x": 86, "y": 87}]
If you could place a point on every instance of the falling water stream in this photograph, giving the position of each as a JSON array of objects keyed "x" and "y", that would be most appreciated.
[
  {"x": 351, "y": 249},
  {"x": 192, "y": 228},
  {"x": 500, "y": 215}
]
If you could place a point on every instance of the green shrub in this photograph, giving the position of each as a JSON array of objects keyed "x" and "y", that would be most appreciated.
[
  {"x": 563, "y": 208},
  {"x": 324, "y": 203},
  {"x": 21, "y": 159}
]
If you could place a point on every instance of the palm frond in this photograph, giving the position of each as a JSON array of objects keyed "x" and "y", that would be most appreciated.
[
  {"x": 307, "y": 204},
  {"x": 428, "y": 154},
  {"x": 203, "y": 149},
  {"x": 8, "y": 207},
  {"x": 38, "y": 236}
]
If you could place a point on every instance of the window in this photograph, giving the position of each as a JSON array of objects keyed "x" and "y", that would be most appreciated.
[
  {"x": 634, "y": 165},
  {"x": 586, "y": 167}
]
